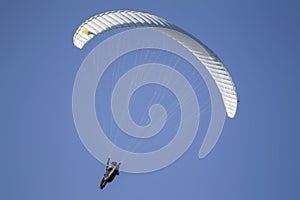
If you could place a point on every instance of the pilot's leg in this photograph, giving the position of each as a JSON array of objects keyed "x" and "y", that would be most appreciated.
[{"x": 102, "y": 184}]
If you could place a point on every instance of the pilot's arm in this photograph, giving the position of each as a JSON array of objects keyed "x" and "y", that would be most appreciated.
[
  {"x": 107, "y": 163},
  {"x": 118, "y": 166}
]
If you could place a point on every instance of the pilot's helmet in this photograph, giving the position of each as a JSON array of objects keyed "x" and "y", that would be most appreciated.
[{"x": 113, "y": 163}]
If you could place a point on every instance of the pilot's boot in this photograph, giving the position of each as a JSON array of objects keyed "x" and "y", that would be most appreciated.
[{"x": 102, "y": 184}]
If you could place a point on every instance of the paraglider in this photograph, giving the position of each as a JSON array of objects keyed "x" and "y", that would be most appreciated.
[
  {"x": 111, "y": 172},
  {"x": 95, "y": 138}
]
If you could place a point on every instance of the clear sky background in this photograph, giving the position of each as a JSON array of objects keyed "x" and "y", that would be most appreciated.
[{"x": 257, "y": 156}]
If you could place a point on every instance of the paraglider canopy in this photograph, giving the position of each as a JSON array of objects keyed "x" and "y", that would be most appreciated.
[{"x": 131, "y": 19}]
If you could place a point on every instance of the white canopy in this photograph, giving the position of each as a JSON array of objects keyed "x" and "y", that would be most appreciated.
[{"x": 132, "y": 19}]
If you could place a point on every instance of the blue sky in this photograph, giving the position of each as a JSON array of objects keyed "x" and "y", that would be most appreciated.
[{"x": 257, "y": 156}]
